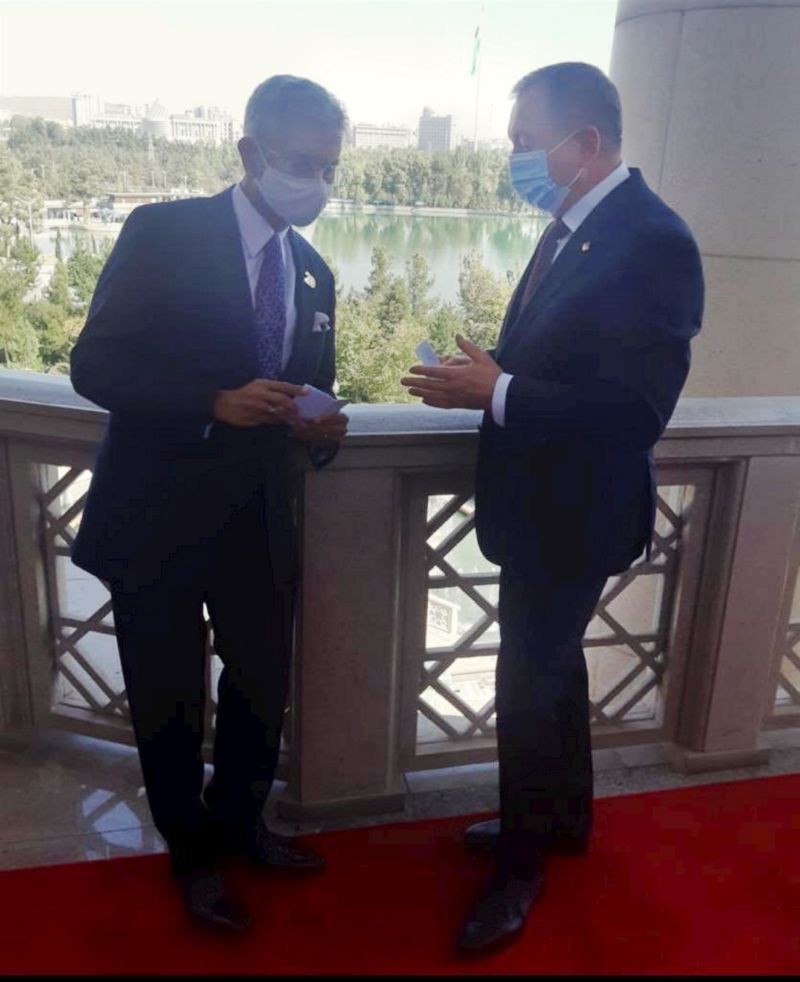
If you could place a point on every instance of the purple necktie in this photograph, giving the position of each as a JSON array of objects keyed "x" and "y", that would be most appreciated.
[{"x": 270, "y": 310}]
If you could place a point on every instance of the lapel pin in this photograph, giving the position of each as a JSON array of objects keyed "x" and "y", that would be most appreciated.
[
  {"x": 586, "y": 246},
  {"x": 309, "y": 280}
]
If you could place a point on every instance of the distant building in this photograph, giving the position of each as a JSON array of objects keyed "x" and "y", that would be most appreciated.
[
  {"x": 204, "y": 124},
  {"x": 368, "y": 135},
  {"x": 58, "y": 211},
  {"x": 435, "y": 133},
  {"x": 89, "y": 110},
  {"x": 54, "y": 109},
  {"x": 121, "y": 203}
]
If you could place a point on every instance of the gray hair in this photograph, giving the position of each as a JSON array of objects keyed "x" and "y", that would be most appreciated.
[
  {"x": 284, "y": 99},
  {"x": 577, "y": 95}
]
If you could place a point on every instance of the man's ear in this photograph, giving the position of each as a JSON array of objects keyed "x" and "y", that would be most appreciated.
[
  {"x": 591, "y": 142},
  {"x": 251, "y": 158}
]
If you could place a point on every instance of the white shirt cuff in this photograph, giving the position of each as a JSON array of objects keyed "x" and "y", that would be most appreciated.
[{"x": 499, "y": 398}]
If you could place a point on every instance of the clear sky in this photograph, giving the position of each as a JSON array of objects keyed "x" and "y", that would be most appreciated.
[{"x": 385, "y": 59}]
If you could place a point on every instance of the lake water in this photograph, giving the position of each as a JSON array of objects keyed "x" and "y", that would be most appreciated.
[{"x": 347, "y": 241}]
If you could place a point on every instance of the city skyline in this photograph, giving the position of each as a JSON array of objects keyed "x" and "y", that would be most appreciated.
[
  {"x": 188, "y": 54},
  {"x": 141, "y": 118}
]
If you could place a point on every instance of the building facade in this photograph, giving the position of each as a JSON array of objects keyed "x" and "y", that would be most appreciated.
[
  {"x": 369, "y": 135},
  {"x": 435, "y": 133},
  {"x": 203, "y": 124}
]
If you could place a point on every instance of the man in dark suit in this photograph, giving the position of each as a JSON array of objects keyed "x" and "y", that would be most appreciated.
[
  {"x": 208, "y": 319},
  {"x": 591, "y": 358}
]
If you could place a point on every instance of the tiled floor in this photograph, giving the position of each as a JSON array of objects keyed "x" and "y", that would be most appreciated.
[{"x": 67, "y": 798}]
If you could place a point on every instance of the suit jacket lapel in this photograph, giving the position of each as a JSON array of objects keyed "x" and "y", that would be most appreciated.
[
  {"x": 306, "y": 299},
  {"x": 513, "y": 303},
  {"x": 582, "y": 245},
  {"x": 229, "y": 265},
  {"x": 564, "y": 265}
]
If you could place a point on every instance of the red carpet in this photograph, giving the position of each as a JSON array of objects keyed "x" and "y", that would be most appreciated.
[{"x": 703, "y": 880}]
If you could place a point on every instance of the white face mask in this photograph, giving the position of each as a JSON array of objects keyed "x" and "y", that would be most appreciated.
[{"x": 298, "y": 200}]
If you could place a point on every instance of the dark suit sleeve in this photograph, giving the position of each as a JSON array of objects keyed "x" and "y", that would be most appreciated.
[
  {"x": 622, "y": 382},
  {"x": 124, "y": 359},
  {"x": 321, "y": 454}
]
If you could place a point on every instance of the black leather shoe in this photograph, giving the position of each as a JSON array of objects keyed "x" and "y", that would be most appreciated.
[
  {"x": 207, "y": 899},
  {"x": 500, "y": 912},
  {"x": 265, "y": 848},
  {"x": 484, "y": 835}
]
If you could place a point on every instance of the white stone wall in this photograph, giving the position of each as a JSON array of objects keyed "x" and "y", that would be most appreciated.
[{"x": 711, "y": 110}]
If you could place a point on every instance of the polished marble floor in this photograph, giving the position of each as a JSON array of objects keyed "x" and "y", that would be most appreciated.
[{"x": 67, "y": 798}]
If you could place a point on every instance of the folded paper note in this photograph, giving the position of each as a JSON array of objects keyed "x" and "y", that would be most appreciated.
[
  {"x": 426, "y": 354},
  {"x": 318, "y": 403}
]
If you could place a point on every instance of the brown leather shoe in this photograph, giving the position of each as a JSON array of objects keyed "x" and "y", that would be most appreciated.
[{"x": 206, "y": 898}]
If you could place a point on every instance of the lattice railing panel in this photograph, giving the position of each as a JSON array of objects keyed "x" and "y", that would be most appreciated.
[
  {"x": 626, "y": 643},
  {"x": 89, "y": 675}
]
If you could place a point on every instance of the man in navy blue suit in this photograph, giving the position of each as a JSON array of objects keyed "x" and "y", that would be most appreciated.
[
  {"x": 589, "y": 363},
  {"x": 209, "y": 317}
]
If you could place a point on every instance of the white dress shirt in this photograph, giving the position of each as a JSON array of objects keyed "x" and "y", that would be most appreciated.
[
  {"x": 256, "y": 231},
  {"x": 572, "y": 218}
]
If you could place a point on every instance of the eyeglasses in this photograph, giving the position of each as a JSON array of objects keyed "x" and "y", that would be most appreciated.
[{"x": 304, "y": 165}]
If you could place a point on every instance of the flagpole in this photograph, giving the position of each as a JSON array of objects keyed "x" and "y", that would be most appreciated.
[
  {"x": 476, "y": 67},
  {"x": 477, "y": 98}
]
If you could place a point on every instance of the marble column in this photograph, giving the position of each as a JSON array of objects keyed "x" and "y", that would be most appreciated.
[{"x": 710, "y": 94}]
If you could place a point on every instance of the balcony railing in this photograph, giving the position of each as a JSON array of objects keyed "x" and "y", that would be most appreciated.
[{"x": 697, "y": 648}]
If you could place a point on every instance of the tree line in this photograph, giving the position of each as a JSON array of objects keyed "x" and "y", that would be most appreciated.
[
  {"x": 377, "y": 328},
  {"x": 38, "y": 329},
  {"x": 46, "y": 160}
]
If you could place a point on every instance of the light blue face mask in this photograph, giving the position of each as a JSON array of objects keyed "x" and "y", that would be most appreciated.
[{"x": 530, "y": 175}]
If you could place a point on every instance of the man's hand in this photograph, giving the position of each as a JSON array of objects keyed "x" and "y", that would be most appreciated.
[
  {"x": 322, "y": 429},
  {"x": 262, "y": 401},
  {"x": 454, "y": 360},
  {"x": 455, "y": 384}
]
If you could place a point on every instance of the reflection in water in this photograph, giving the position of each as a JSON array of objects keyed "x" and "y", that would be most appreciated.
[
  {"x": 347, "y": 240},
  {"x": 505, "y": 244}
]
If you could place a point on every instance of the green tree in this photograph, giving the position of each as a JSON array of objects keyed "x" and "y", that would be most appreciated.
[
  {"x": 483, "y": 298},
  {"x": 19, "y": 345},
  {"x": 379, "y": 274},
  {"x": 58, "y": 289},
  {"x": 393, "y": 308},
  {"x": 56, "y": 332},
  {"x": 368, "y": 368},
  {"x": 420, "y": 283},
  {"x": 83, "y": 270},
  {"x": 444, "y": 324}
]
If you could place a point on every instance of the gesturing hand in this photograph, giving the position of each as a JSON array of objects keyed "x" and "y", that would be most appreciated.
[
  {"x": 262, "y": 401},
  {"x": 456, "y": 384},
  {"x": 454, "y": 359},
  {"x": 322, "y": 429}
]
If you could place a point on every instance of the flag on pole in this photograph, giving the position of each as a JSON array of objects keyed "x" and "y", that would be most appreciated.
[{"x": 476, "y": 48}]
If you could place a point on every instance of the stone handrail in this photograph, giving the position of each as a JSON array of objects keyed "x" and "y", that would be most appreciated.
[{"x": 361, "y": 635}]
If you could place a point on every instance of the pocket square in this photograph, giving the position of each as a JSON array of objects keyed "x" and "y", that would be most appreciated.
[{"x": 321, "y": 322}]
